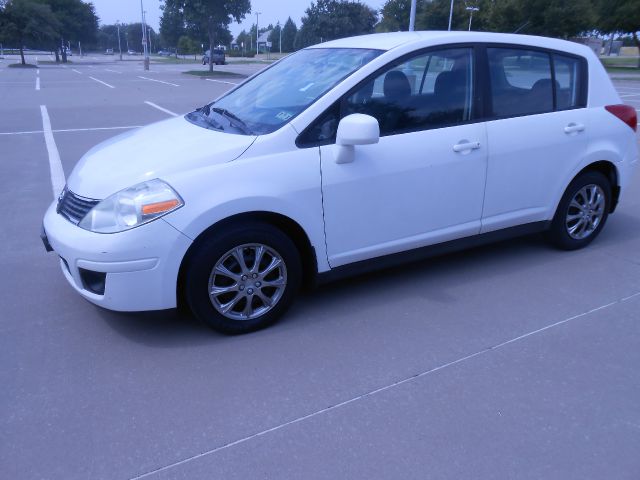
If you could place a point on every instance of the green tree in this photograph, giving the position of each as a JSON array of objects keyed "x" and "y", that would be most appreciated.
[
  {"x": 24, "y": 21},
  {"x": 172, "y": 24},
  {"x": 395, "y": 15},
  {"x": 289, "y": 32},
  {"x": 332, "y": 19},
  {"x": 187, "y": 46},
  {"x": 214, "y": 17},
  {"x": 78, "y": 22},
  {"x": 620, "y": 16},
  {"x": 274, "y": 38}
]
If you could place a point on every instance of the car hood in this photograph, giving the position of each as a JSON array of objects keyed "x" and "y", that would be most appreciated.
[{"x": 152, "y": 152}]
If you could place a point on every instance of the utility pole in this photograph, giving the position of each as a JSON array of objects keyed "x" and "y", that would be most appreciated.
[
  {"x": 412, "y": 16},
  {"x": 144, "y": 39},
  {"x": 257, "y": 33},
  {"x": 119, "y": 46},
  {"x": 450, "y": 15}
]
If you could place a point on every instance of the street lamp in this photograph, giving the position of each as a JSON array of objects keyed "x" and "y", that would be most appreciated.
[
  {"x": 471, "y": 10},
  {"x": 119, "y": 46},
  {"x": 280, "y": 29},
  {"x": 412, "y": 16},
  {"x": 144, "y": 38},
  {"x": 257, "y": 30}
]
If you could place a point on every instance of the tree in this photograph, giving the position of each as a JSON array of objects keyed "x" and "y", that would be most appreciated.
[
  {"x": 620, "y": 16},
  {"x": 172, "y": 24},
  {"x": 214, "y": 17},
  {"x": 23, "y": 21},
  {"x": 332, "y": 19},
  {"x": 78, "y": 22},
  {"x": 395, "y": 15},
  {"x": 289, "y": 32}
]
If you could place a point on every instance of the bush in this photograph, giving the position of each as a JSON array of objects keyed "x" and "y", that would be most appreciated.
[{"x": 238, "y": 53}]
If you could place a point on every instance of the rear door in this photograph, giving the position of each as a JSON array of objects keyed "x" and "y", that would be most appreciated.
[{"x": 538, "y": 133}]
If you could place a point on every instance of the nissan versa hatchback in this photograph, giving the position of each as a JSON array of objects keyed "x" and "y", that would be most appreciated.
[{"x": 345, "y": 156}]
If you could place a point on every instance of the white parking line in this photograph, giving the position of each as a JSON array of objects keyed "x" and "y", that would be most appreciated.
[
  {"x": 55, "y": 165},
  {"x": 221, "y": 81},
  {"x": 384, "y": 388},
  {"x": 37, "y": 83},
  {"x": 159, "y": 81},
  {"x": 100, "y": 81},
  {"x": 72, "y": 130},
  {"x": 114, "y": 71},
  {"x": 77, "y": 71},
  {"x": 160, "y": 108},
  {"x": 630, "y": 95}
]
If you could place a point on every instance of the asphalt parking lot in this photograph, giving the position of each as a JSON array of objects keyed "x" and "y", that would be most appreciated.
[{"x": 512, "y": 361}]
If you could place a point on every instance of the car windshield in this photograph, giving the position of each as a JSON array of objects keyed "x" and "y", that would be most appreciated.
[{"x": 275, "y": 96}]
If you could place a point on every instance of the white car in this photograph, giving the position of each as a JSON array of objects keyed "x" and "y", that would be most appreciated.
[{"x": 346, "y": 156}]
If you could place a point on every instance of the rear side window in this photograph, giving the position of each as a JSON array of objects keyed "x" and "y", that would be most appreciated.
[
  {"x": 568, "y": 72},
  {"x": 521, "y": 82}
]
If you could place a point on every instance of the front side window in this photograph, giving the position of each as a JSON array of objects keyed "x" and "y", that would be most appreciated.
[
  {"x": 431, "y": 90},
  {"x": 521, "y": 82},
  {"x": 274, "y": 97}
]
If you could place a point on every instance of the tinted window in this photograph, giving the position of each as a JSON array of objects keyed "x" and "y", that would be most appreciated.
[
  {"x": 521, "y": 82},
  {"x": 273, "y": 97},
  {"x": 427, "y": 91},
  {"x": 568, "y": 82}
]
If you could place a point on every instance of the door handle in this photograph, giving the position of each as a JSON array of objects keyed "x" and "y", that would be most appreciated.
[
  {"x": 574, "y": 128},
  {"x": 465, "y": 146}
]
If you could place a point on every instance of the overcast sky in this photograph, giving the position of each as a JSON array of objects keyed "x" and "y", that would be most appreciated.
[{"x": 128, "y": 11}]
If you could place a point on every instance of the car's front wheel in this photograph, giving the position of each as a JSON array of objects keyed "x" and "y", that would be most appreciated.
[
  {"x": 582, "y": 212},
  {"x": 243, "y": 278}
]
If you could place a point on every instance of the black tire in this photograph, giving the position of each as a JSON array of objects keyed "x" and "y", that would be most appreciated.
[
  {"x": 559, "y": 234},
  {"x": 213, "y": 248}
]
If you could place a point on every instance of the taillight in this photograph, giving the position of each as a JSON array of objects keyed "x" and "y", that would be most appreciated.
[{"x": 625, "y": 113}]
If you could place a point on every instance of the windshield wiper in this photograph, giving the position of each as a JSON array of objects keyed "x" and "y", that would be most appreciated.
[
  {"x": 233, "y": 119},
  {"x": 204, "y": 111}
]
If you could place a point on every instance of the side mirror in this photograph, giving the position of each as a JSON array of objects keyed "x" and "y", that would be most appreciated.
[{"x": 355, "y": 129}]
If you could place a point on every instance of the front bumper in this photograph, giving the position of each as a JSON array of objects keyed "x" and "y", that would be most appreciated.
[{"x": 133, "y": 270}]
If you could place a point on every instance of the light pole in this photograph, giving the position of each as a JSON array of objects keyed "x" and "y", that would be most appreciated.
[
  {"x": 471, "y": 10},
  {"x": 450, "y": 15},
  {"x": 119, "y": 46},
  {"x": 144, "y": 39},
  {"x": 257, "y": 30},
  {"x": 280, "y": 28},
  {"x": 412, "y": 16}
]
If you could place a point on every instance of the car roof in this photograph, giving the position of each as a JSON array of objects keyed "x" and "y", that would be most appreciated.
[{"x": 390, "y": 41}]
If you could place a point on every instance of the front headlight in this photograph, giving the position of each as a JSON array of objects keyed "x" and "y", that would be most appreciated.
[{"x": 132, "y": 207}]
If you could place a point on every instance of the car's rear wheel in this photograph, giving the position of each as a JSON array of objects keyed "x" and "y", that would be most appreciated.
[
  {"x": 243, "y": 278},
  {"x": 582, "y": 212}
]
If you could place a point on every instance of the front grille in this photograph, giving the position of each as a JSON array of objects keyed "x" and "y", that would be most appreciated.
[{"x": 74, "y": 207}]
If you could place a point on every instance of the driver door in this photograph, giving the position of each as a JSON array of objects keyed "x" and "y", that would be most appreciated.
[{"x": 423, "y": 183}]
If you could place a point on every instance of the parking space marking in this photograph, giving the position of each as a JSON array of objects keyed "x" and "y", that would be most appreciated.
[
  {"x": 77, "y": 71},
  {"x": 160, "y": 108},
  {"x": 220, "y": 81},
  {"x": 100, "y": 81},
  {"x": 37, "y": 83},
  {"x": 630, "y": 95},
  {"x": 109, "y": 70},
  {"x": 384, "y": 388},
  {"x": 63, "y": 130},
  {"x": 159, "y": 81},
  {"x": 55, "y": 165}
]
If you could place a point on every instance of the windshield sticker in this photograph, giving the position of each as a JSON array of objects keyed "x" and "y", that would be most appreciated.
[
  {"x": 304, "y": 89},
  {"x": 284, "y": 116}
]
